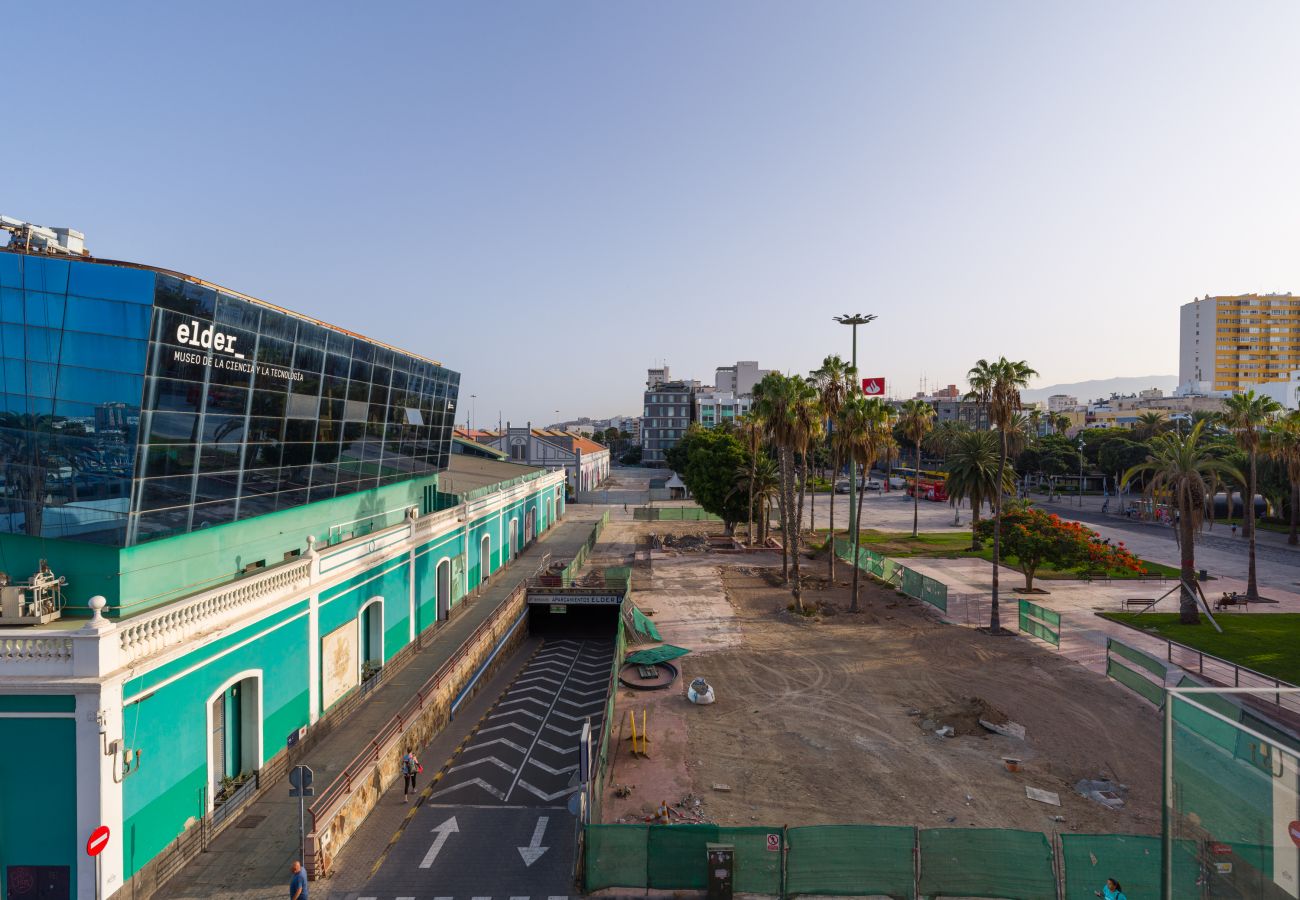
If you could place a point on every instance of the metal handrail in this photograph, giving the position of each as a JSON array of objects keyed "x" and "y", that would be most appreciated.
[
  {"x": 341, "y": 786},
  {"x": 1292, "y": 702}
]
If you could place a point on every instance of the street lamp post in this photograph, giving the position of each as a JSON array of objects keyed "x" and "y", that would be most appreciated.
[
  {"x": 472, "y": 407},
  {"x": 853, "y": 320},
  {"x": 1080, "y": 472}
]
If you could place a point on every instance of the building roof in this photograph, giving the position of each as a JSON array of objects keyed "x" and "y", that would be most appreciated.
[
  {"x": 474, "y": 447},
  {"x": 467, "y": 473}
]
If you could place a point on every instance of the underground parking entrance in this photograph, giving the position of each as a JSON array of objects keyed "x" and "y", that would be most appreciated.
[{"x": 574, "y": 612}]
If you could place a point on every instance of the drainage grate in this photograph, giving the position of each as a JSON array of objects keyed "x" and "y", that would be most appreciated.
[{"x": 250, "y": 821}]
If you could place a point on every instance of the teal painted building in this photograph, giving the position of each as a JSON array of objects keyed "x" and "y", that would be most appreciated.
[{"x": 245, "y": 506}]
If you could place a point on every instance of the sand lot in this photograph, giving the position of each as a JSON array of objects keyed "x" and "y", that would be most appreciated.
[{"x": 819, "y": 720}]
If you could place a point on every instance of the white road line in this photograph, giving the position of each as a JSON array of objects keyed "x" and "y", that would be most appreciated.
[
  {"x": 545, "y": 768},
  {"x": 562, "y": 792},
  {"x": 574, "y": 733},
  {"x": 520, "y": 898},
  {"x": 584, "y": 704},
  {"x": 487, "y": 759},
  {"x": 550, "y": 746},
  {"x": 444, "y": 898},
  {"x": 509, "y": 743},
  {"x": 473, "y": 781},
  {"x": 519, "y": 700},
  {"x": 509, "y": 725},
  {"x": 516, "y": 712},
  {"x": 563, "y": 715},
  {"x": 536, "y": 678},
  {"x": 552, "y": 897},
  {"x": 530, "y": 749},
  {"x": 480, "y": 898}
]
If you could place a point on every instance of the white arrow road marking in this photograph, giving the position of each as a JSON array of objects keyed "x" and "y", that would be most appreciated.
[
  {"x": 583, "y": 704},
  {"x": 564, "y": 715},
  {"x": 446, "y": 828},
  {"x": 516, "y": 712},
  {"x": 589, "y": 682},
  {"x": 591, "y": 693},
  {"x": 567, "y": 675},
  {"x": 545, "y": 768},
  {"x": 563, "y": 792},
  {"x": 473, "y": 781},
  {"x": 574, "y": 733},
  {"x": 538, "y": 700},
  {"x": 509, "y": 725},
  {"x": 550, "y": 746},
  {"x": 509, "y": 743},
  {"x": 554, "y": 682},
  {"x": 533, "y": 852},
  {"x": 487, "y": 759}
]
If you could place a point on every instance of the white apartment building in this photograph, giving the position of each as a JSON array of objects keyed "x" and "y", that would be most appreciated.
[{"x": 1061, "y": 403}]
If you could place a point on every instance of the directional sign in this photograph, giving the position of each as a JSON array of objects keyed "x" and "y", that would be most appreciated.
[
  {"x": 300, "y": 778},
  {"x": 442, "y": 831},
  {"x": 98, "y": 841}
]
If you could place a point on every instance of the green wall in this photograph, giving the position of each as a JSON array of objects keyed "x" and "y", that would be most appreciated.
[{"x": 38, "y": 785}]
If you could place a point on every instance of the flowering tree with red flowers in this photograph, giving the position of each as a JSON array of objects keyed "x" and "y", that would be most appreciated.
[{"x": 1033, "y": 537}]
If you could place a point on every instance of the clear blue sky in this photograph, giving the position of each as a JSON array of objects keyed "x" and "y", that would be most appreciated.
[{"x": 549, "y": 197}]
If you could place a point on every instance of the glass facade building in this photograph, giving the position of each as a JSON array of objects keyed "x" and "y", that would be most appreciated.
[{"x": 137, "y": 404}]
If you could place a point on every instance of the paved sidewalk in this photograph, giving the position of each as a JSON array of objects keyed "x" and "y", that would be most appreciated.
[{"x": 253, "y": 862}]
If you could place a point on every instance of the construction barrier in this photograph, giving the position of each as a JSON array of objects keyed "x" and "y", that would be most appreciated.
[
  {"x": 1118, "y": 654},
  {"x": 851, "y": 860},
  {"x": 1040, "y": 622},
  {"x": 885, "y": 861},
  {"x": 673, "y": 514},
  {"x": 986, "y": 862},
  {"x": 909, "y": 581},
  {"x": 570, "y": 572}
]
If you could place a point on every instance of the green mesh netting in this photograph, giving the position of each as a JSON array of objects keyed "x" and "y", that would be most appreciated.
[
  {"x": 655, "y": 655},
  {"x": 986, "y": 862},
  {"x": 616, "y": 856},
  {"x": 851, "y": 860},
  {"x": 912, "y": 582},
  {"x": 677, "y": 857},
  {"x": 644, "y": 625},
  {"x": 1131, "y": 859}
]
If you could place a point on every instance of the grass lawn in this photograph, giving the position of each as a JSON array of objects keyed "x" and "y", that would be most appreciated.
[
  {"x": 1265, "y": 642},
  {"x": 956, "y": 545}
]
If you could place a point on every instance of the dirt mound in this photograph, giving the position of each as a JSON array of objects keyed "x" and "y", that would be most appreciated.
[
  {"x": 691, "y": 543},
  {"x": 963, "y": 715}
]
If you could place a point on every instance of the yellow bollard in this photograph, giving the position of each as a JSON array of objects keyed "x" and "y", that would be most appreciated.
[
  {"x": 631, "y": 714},
  {"x": 645, "y": 734}
]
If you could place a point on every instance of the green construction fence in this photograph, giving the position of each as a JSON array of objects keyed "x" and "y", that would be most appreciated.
[
  {"x": 673, "y": 514},
  {"x": 1135, "y": 670},
  {"x": 986, "y": 862},
  {"x": 1041, "y": 622},
  {"x": 909, "y": 581}
]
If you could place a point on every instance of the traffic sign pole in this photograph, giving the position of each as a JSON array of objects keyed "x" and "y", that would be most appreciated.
[
  {"x": 95, "y": 845},
  {"x": 300, "y": 779}
]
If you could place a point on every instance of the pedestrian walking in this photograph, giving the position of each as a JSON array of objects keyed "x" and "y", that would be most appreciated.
[
  {"x": 1234, "y": 529},
  {"x": 410, "y": 768},
  {"x": 298, "y": 882},
  {"x": 1112, "y": 891}
]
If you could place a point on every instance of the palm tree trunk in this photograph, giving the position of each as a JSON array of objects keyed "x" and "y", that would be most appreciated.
[
  {"x": 1293, "y": 538},
  {"x": 798, "y": 528},
  {"x": 857, "y": 542},
  {"x": 1252, "y": 587},
  {"x": 1188, "y": 614},
  {"x": 995, "y": 622},
  {"x": 975, "y": 507},
  {"x": 916, "y": 491},
  {"x": 830, "y": 557},
  {"x": 785, "y": 520},
  {"x": 753, "y": 467}
]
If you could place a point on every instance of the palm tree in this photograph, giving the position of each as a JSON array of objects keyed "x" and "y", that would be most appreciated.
[
  {"x": 973, "y": 474},
  {"x": 1246, "y": 415},
  {"x": 806, "y": 429},
  {"x": 1282, "y": 442},
  {"x": 1149, "y": 424},
  {"x": 1061, "y": 423},
  {"x": 1183, "y": 468},
  {"x": 916, "y": 418},
  {"x": 833, "y": 379},
  {"x": 998, "y": 385},
  {"x": 864, "y": 434},
  {"x": 751, "y": 429},
  {"x": 761, "y": 480},
  {"x": 1036, "y": 420},
  {"x": 775, "y": 398}
]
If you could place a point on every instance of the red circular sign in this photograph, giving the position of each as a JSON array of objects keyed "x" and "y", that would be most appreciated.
[
  {"x": 97, "y": 841},
  {"x": 1294, "y": 830}
]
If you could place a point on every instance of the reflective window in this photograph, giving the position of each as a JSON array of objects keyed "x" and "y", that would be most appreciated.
[{"x": 135, "y": 405}]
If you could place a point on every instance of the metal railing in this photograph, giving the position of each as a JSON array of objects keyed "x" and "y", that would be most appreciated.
[
  {"x": 329, "y": 799},
  {"x": 1230, "y": 674}
]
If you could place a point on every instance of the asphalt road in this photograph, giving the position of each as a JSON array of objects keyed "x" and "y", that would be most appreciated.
[{"x": 499, "y": 823}]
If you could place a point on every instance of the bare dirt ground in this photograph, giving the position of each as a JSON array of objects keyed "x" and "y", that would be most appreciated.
[{"x": 820, "y": 720}]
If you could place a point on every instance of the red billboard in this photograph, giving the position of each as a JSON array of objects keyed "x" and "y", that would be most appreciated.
[{"x": 873, "y": 387}]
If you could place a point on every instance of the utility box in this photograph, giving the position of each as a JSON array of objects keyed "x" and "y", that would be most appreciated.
[{"x": 722, "y": 870}]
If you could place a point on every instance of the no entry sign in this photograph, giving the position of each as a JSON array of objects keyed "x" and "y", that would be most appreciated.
[
  {"x": 97, "y": 841},
  {"x": 1293, "y": 829}
]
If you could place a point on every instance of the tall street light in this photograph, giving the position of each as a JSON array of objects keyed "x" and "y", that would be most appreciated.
[
  {"x": 854, "y": 320},
  {"x": 1081, "y": 472},
  {"x": 472, "y": 405}
]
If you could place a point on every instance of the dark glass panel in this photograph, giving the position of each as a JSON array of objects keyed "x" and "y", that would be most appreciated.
[
  {"x": 337, "y": 366},
  {"x": 223, "y": 429},
  {"x": 219, "y": 457},
  {"x": 308, "y": 360},
  {"x": 169, "y": 459},
  {"x": 300, "y": 406},
  {"x": 274, "y": 353},
  {"x": 299, "y": 431},
  {"x": 363, "y": 351},
  {"x": 209, "y": 514},
  {"x": 290, "y": 498},
  {"x": 162, "y": 523},
  {"x": 253, "y": 504},
  {"x": 265, "y": 429},
  {"x": 337, "y": 342},
  {"x": 227, "y": 400},
  {"x": 169, "y": 395},
  {"x": 296, "y": 454},
  {"x": 238, "y": 313},
  {"x": 160, "y": 493},
  {"x": 268, "y": 403},
  {"x": 264, "y": 455},
  {"x": 278, "y": 325},
  {"x": 224, "y": 486},
  {"x": 173, "y": 428},
  {"x": 261, "y": 481}
]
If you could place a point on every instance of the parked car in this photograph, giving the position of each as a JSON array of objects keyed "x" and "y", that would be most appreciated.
[
  {"x": 897, "y": 481},
  {"x": 872, "y": 485},
  {"x": 842, "y": 487}
]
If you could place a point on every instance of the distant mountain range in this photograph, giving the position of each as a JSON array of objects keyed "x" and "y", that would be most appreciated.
[{"x": 1104, "y": 387}]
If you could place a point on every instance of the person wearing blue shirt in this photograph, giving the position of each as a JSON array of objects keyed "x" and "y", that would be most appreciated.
[
  {"x": 1112, "y": 891},
  {"x": 298, "y": 883}
]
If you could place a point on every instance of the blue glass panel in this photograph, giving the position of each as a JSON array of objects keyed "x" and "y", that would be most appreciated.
[
  {"x": 11, "y": 270},
  {"x": 44, "y": 274},
  {"x": 102, "y": 351},
  {"x": 41, "y": 380},
  {"x": 42, "y": 344},
  {"x": 98, "y": 386},
  {"x": 13, "y": 376},
  {"x": 129, "y": 320},
  {"x": 45, "y": 309},
  {"x": 11, "y": 305},
  {"x": 107, "y": 282}
]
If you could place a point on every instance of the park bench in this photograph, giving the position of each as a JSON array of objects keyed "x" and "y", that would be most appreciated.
[
  {"x": 1139, "y": 602},
  {"x": 1233, "y": 599}
]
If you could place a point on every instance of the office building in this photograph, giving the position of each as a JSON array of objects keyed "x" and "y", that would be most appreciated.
[{"x": 1231, "y": 343}]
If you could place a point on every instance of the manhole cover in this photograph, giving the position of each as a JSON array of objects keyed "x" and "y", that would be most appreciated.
[{"x": 250, "y": 821}]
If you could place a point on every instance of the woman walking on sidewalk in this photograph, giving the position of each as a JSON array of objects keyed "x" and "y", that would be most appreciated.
[{"x": 410, "y": 768}]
